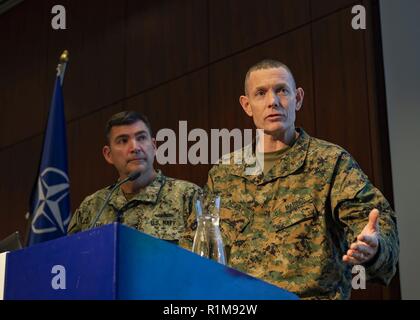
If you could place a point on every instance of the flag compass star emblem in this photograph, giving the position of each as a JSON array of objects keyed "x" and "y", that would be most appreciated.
[{"x": 51, "y": 211}]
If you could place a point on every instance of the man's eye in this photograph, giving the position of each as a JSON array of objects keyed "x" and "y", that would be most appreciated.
[
  {"x": 283, "y": 91},
  {"x": 260, "y": 93},
  {"x": 141, "y": 138},
  {"x": 121, "y": 141}
]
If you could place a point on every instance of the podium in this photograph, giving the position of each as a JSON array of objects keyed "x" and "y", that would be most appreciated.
[{"x": 117, "y": 262}]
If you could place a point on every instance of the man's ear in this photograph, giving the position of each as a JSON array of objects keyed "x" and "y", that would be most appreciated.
[
  {"x": 299, "y": 98},
  {"x": 106, "y": 151},
  {"x": 154, "y": 144},
  {"x": 244, "y": 101}
]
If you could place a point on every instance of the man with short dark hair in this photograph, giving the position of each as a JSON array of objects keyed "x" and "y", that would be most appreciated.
[
  {"x": 308, "y": 213},
  {"x": 152, "y": 203}
]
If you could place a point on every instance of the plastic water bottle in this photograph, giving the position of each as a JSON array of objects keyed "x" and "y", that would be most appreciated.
[{"x": 208, "y": 241}]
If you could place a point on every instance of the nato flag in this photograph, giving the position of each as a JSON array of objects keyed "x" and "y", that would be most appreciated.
[{"x": 50, "y": 202}]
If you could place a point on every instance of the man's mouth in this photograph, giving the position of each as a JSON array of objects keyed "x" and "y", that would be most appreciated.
[
  {"x": 274, "y": 116},
  {"x": 137, "y": 160}
]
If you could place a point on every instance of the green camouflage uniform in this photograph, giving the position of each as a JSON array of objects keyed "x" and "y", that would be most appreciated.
[
  {"x": 292, "y": 226},
  {"x": 160, "y": 210}
]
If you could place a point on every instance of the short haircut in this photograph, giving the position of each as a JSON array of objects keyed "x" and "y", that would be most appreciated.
[
  {"x": 126, "y": 118},
  {"x": 267, "y": 64}
]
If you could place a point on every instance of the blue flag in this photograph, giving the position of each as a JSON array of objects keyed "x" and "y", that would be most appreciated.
[{"x": 50, "y": 201}]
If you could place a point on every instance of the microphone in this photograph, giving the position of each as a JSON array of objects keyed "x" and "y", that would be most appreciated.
[{"x": 131, "y": 177}]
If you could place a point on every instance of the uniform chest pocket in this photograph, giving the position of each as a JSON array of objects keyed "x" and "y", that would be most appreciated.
[{"x": 294, "y": 214}]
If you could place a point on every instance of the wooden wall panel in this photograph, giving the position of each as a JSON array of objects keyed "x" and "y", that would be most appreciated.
[
  {"x": 166, "y": 105},
  {"x": 239, "y": 24},
  {"x": 18, "y": 169},
  {"x": 381, "y": 155},
  {"x": 22, "y": 68},
  {"x": 227, "y": 79},
  {"x": 88, "y": 170},
  {"x": 165, "y": 39},
  {"x": 95, "y": 40},
  {"x": 340, "y": 84},
  {"x": 320, "y": 8}
]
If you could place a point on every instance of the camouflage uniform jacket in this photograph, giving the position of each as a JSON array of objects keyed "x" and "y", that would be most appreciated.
[
  {"x": 292, "y": 226},
  {"x": 160, "y": 210}
]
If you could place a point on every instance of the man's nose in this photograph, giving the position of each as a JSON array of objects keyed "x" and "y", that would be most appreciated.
[
  {"x": 273, "y": 99},
  {"x": 135, "y": 146}
]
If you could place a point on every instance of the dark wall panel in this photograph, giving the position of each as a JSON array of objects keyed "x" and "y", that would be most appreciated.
[
  {"x": 18, "y": 169},
  {"x": 95, "y": 40},
  {"x": 22, "y": 72},
  {"x": 165, "y": 39},
  {"x": 321, "y": 8},
  {"x": 239, "y": 24},
  {"x": 340, "y": 84},
  {"x": 377, "y": 102}
]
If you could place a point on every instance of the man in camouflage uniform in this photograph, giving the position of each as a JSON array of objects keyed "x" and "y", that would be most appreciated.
[
  {"x": 307, "y": 213},
  {"x": 153, "y": 203}
]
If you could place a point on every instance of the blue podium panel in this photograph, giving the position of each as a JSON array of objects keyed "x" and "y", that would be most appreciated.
[
  {"x": 89, "y": 261},
  {"x": 154, "y": 269},
  {"x": 117, "y": 262}
]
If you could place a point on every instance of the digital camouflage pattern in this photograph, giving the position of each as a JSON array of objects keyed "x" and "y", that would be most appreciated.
[
  {"x": 292, "y": 226},
  {"x": 160, "y": 210}
]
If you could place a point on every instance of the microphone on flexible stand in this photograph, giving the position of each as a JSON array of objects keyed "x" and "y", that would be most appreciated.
[{"x": 131, "y": 177}]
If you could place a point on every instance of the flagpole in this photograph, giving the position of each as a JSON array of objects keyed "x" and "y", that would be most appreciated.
[{"x": 61, "y": 67}]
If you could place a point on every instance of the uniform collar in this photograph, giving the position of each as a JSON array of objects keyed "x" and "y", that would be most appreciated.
[
  {"x": 149, "y": 194},
  {"x": 289, "y": 162}
]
